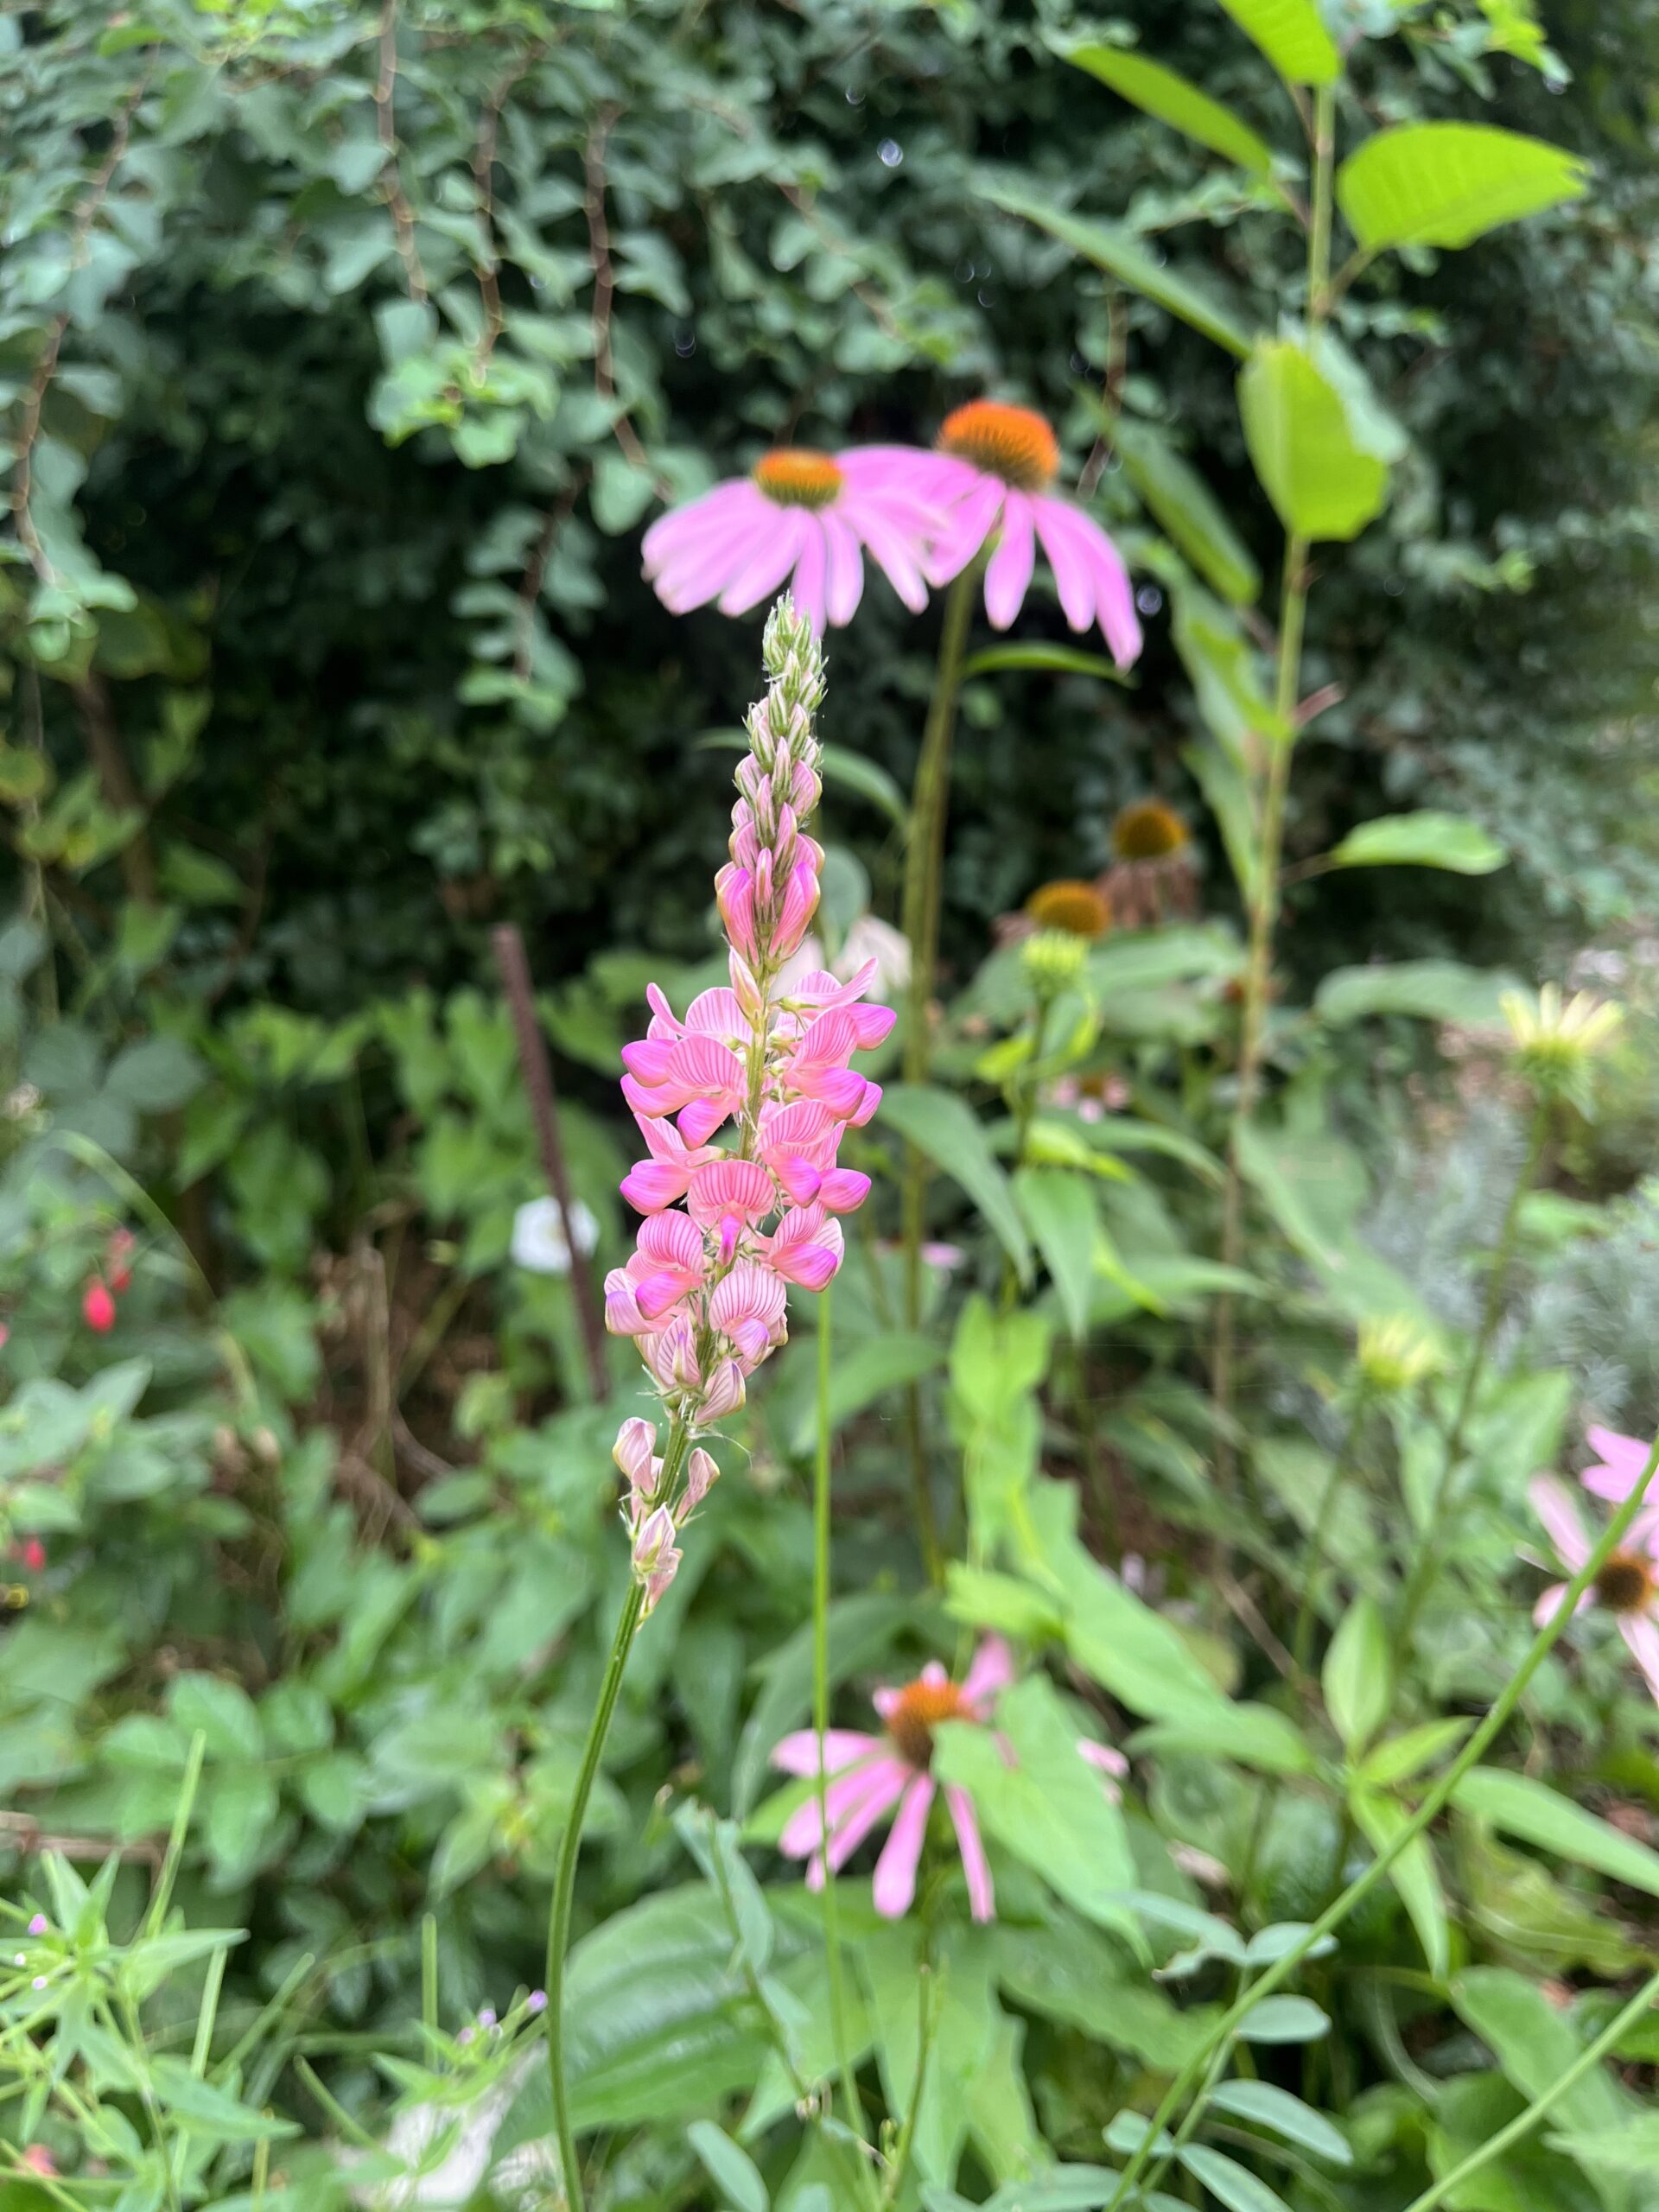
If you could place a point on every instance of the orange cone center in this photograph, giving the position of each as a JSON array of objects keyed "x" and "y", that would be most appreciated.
[
  {"x": 921, "y": 1706},
  {"x": 795, "y": 476},
  {"x": 1013, "y": 442}
]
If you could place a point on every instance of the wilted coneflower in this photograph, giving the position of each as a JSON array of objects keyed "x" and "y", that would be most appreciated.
[{"x": 1152, "y": 875}]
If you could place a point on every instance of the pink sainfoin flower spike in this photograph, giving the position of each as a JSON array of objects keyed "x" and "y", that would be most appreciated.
[
  {"x": 873, "y": 1777},
  {"x": 993, "y": 474},
  {"x": 800, "y": 518},
  {"x": 728, "y": 1227},
  {"x": 1628, "y": 1583}
]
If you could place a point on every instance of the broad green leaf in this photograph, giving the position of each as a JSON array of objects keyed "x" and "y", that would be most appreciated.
[
  {"x": 986, "y": 1600},
  {"x": 943, "y": 1127},
  {"x": 1284, "y": 2019},
  {"x": 1292, "y": 35},
  {"x": 1072, "y": 1973},
  {"x": 222, "y": 1711},
  {"x": 1315, "y": 458},
  {"x": 1169, "y": 97},
  {"x": 1059, "y": 1210},
  {"x": 966, "y": 2019},
  {"x": 1145, "y": 960},
  {"x": 1432, "y": 990},
  {"x": 1448, "y": 183},
  {"x": 1426, "y": 840},
  {"x": 1315, "y": 1186},
  {"x": 1355, "y": 1678},
  {"x": 1518, "y": 1806},
  {"x": 1229, "y": 2183},
  {"x": 1047, "y": 1808},
  {"x": 1535, "y": 2045},
  {"x": 1187, "y": 511},
  {"x": 1283, "y": 2115},
  {"x": 1630, "y": 2149},
  {"x": 867, "y": 1371},
  {"x": 1059, "y": 660},
  {"x": 734, "y": 2173},
  {"x": 1123, "y": 256},
  {"x": 1256, "y": 1736},
  {"x": 1399, "y": 1758},
  {"x": 1413, "y": 1872}
]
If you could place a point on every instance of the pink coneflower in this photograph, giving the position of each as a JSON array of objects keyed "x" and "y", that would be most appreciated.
[
  {"x": 1620, "y": 1464},
  {"x": 875, "y": 1775},
  {"x": 1628, "y": 1582},
  {"x": 992, "y": 474},
  {"x": 800, "y": 518}
]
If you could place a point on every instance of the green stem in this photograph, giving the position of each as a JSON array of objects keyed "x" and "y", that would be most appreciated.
[
  {"x": 926, "y": 1998},
  {"x": 1525, "y": 2122},
  {"x": 1302, "y": 1636},
  {"x": 821, "y": 1716},
  {"x": 1025, "y": 1113},
  {"x": 1425, "y": 1561},
  {"x": 924, "y": 872},
  {"x": 1266, "y": 889},
  {"x": 564, "y": 1880},
  {"x": 1433, "y": 1804}
]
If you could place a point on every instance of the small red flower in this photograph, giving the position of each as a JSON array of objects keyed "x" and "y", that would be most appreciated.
[
  {"x": 31, "y": 1552},
  {"x": 98, "y": 1307}
]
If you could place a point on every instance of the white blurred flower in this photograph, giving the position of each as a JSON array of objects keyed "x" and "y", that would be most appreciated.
[
  {"x": 539, "y": 1242},
  {"x": 870, "y": 939}
]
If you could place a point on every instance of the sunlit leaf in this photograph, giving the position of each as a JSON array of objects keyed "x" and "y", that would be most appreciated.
[
  {"x": 1292, "y": 35},
  {"x": 1448, "y": 183},
  {"x": 1168, "y": 96},
  {"x": 1429, "y": 839}
]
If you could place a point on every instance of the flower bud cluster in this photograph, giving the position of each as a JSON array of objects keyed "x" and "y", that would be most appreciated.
[{"x": 728, "y": 1227}]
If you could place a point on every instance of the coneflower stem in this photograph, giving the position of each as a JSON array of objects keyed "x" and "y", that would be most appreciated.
[
  {"x": 1265, "y": 890},
  {"x": 821, "y": 1716},
  {"x": 564, "y": 1878},
  {"x": 923, "y": 875},
  {"x": 1433, "y": 1804},
  {"x": 1426, "y": 1559}
]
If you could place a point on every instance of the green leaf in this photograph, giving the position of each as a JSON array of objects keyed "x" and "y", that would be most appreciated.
[
  {"x": 1315, "y": 1186},
  {"x": 222, "y": 1711},
  {"x": 1400, "y": 1757},
  {"x": 1257, "y": 1736},
  {"x": 1631, "y": 2149},
  {"x": 1314, "y": 454},
  {"x": 1122, "y": 254},
  {"x": 943, "y": 1126},
  {"x": 1448, "y": 183},
  {"x": 1275, "y": 2109},
  {"x": 1413, "y": 1873},
  {"x": 1229, "y": 2183},
  {"x": 1169, "y": 97},
  {"x": 851, "y": 772},
  {"x": 155, "y": 1075},
  {"x": 728, "y": 2166},
  {"x": 1060, "y": 660},
  {"x": 965, "y": 2020},
  {"x": 201, "y": 2109},
  {"x": 1432, "y": 990},
  {"x": 1187, "y": 511},
  {"x": 1429, "y": 839},
  {"x": 867, "y": 1372},
  {"x": 1292, "y": 35},
  {"x": 1356, "y": 1678},
  {"x": 1058, "y": 1205},
  {"x": 1284, "y": 2019},
  {"x": 1535, "y": 2045},
  {"x": 1518, "y": 1806},
  {"x": 1047, "y": 1808}
]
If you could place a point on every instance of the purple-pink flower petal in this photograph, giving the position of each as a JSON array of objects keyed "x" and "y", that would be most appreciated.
[{"x": 895, "y": 1870}]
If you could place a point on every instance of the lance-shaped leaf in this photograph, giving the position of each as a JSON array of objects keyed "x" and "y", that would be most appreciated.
[
  {"x": 1123, "y": 255},
  {"x": 1187, "y": 511},
  {"x": 1449, "y": 183},
  {"x": 1292, "y": 35},
  {"x": 1168, "y": 96},
  {"x": 1429, "y": 839}
]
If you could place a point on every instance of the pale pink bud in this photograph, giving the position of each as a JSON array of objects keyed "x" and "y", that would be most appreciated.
[
  {"x": 700, "y": 1474},
  {"x": 725, "y": 1394},
  {"x": 634, "y": 1453}
]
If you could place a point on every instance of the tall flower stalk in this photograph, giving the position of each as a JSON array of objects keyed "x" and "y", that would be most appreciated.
[
  {"x": 1266, "y": 884},
  {"x": 728, "y": 1227}
]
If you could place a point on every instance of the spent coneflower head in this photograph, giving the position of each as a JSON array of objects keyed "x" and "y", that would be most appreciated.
[
  {"x": 1071, "y": 905},
  {"x": 1557, "y": 1040},
  {"x": 727, "y": 1228},
  {"x": 1146, "y": 829}
]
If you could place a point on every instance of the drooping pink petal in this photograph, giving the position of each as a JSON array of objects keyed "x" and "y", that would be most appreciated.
[
  {"x": 802, "y": 1832},
  {"x": 968, "y": 523},
  {"x": 1553, "y": 1599},
  {"x": 695, "y": 523},
  {"x": 1074, "y": 574},
  {"x": 773, "y": 560},
  {"x": 1007, "y": 576},
  {"x": 888, "y": 1779},
  {"x": 991, "y": 1671},
  {"x": 1560, "y": 1516},
  {"x": 982, "y": 1897},
  {"x": 1619, "y": 1465},
  {"x": 809, "y": 584},
  {"x": 798, "y": 1754},
  {"x": 895, "y": 1870},
  {"x": 1639, "y": 1631},
  {"x": 844, "y": 570}
]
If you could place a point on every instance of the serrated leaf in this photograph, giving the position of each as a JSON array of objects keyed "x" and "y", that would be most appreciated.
[
  {"x": 1428, "y": 839},
  {"x": 1170, "y": 98},
  {"x": 1448, "y": 183},
  {"x": 1123, "y": 255},
  {"x": 1314, "y": 457}
]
